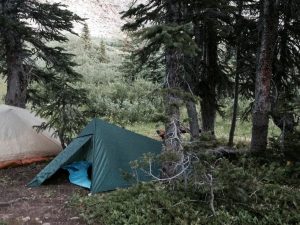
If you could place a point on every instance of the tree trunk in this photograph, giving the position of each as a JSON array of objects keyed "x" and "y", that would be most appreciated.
[
  {"x": 193, "y": 70},
  {"x": 208, "y": 114},
  {"x": 172, "y": 100},
  {"x": 172, "y": 104},
  {"x": 17, "y": 82},
  {"x": 193, "y": 119},
  {"x": 262, "y": 105},
  {"x": 209, "y": 82},
  {"x": 13, "y": 51},
  {"x": 235, "y": 109},
  {"x": 237, "y": 74}
]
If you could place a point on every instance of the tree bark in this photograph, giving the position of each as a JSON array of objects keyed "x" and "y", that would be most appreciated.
[
  {"x": 209, "y": 82},
  {"x": 235, "y": 109},
  {"x": 237, "y": 74},
  {"x": 193, "y": 119},
  {"x": 172, "y": 105},
  {"x": 172, "y": 101},
  {"x": 173, "y": 60},
  {"x": 17, "y": 81},
  {"x": 193, "y": 65},
  {"x": 208, "y": 114},
  {"x": 262, "y": 105}
]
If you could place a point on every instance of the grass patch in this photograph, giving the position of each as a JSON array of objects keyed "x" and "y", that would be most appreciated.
[
  {"x": 242, "y": 134},
  {"x": 243, "y": 129},
  {"x": 146, "y": 129},
  {"x": 2, "y": 90}
]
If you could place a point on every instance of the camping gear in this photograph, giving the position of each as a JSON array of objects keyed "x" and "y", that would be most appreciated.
[
  {"x": 79, "y": 173},
  {"x": 109, "y": 149},
  {"x": 20, "y": 143}
]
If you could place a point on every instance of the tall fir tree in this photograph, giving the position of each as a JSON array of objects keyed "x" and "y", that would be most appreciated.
[
  {"x": 168, "y": 33},
  {"x": 262, "y": 105},
  {"x": 86, "y": 37},
  {"x": 210, "y": 20},
  {"x": 63, "y": 103},
  {"x": 101, "y": 53},
  {"x": 26, "y": 26},
  {"x": 239, "y": 34},
  {"x": 286, "y": 68}
]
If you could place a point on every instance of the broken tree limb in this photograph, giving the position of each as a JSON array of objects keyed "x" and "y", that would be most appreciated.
[{"x": 13, "y": 201}]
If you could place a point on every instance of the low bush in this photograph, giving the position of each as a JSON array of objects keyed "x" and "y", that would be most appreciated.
[
  {"x": 125, "y": 103},
  {"x": 246, "y": 191}
]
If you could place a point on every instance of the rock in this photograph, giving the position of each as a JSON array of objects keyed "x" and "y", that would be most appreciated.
[
  {"x": 46, "y": 224},
  {"x": 26, "y": 219},
  {"x": 38, "y": 220},
  {"x": 104, "y": 12},
  {"x": 75, "y": 218},
  {"x": 47, "y": 215}
]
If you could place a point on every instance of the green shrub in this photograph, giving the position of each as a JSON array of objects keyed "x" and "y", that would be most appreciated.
[
  {"x": 113, "y": 98},
  {"x": 124, "y": 104},
  {"x": 246, "y": 192},
  {"x": 146, "y": 204}
]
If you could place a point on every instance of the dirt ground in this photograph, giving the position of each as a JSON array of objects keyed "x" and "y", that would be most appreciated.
[{"x": 46, "y": 205}]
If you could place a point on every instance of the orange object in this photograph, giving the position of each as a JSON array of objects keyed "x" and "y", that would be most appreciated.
[{"x": 21, "y": 162}]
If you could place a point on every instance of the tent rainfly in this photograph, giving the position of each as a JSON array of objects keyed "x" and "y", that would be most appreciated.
[
  {"x": 20, "y": 143},
  {"x": 109, "y": 149}
]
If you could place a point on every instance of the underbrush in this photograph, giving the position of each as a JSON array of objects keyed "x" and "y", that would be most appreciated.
[
  {"x": 246, "y": 191},
  {"x": 2, "y": 222}
]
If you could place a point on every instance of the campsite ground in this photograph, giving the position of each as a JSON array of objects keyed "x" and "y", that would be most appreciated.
[{"x": 48, "y": 204}]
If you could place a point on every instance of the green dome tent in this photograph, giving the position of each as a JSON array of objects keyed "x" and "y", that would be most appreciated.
[{"x": 108, "y": 148}]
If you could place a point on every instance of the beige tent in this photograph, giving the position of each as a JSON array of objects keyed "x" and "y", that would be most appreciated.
[{"x": 20, "y": 143}]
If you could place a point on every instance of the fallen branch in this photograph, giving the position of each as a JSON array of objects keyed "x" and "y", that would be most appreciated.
[
  {"x": 226, "y": 152},
  {"x": 209, "y": 178},
  {"x": 13, "y": 201}
]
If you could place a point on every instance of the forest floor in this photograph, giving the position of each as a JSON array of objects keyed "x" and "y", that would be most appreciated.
[{"x": 45, "y": 205}]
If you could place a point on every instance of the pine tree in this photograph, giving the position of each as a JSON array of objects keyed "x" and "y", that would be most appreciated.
[
  {"x": 286, "y": 66},
  {"x": 262, "y": 105},
  {"x": 86, "y": 37},
  {"x": 129, "y": 66},
  {"x": 211, "y": 21},
  {"x": 169, "y": 34},
  {"x": 239, "y": 35},
  {"x": 25, "y": 43},
  {"x": 203, "y": 73},
  {"x": 63, "y": 103},
  {"x": 101, "y": 53},
  {"x": 133, "y": 66}
]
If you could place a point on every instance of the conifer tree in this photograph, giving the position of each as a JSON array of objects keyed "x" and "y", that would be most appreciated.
[
  {"x": 134, "y": 67},
  {"x": 63, "y": 103},
  {"x": 169, "y": 34},
  {"x": 86, "y": 37},
  {"x": 262, "y": 105},
  {"x": 239, "y": 34},
  {"x": 101, "y": 53},
  {"x": 286, "y": 66},
  {"x": 26, "y": 26},
  {"x": 130, "y": 61},
  {"x": 211, "y": 21}
]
